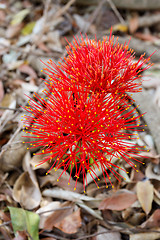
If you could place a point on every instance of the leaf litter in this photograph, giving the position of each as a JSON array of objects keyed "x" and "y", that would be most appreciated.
[{"x": 130, "y": 210}]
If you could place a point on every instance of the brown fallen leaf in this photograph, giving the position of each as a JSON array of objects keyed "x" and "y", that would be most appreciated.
[
  {"x": 14, "y": 30},
  {"x": 145, "y": 195},
  {"x": 24, "y": 68},
  {"x": 45, "y": 211},
  {"x": 26, "y": 190},
  {"x": 58, "y": 216},
  {"x": 71, "y": 223},
  {"x": 26, "y": 193},
  {"x": 153, "y": 221},
  {"x": 118, "y": 201}
]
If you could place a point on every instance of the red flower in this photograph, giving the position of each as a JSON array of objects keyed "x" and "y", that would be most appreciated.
[
  {"x": 100, "y": 66},
  {"x": 79, "y": 129}
]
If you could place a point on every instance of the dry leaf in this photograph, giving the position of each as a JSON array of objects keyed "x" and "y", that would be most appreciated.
[
  {"x": 73, "y": 196},
  {"x": 26, "y": 190},
  {"x": 136, "y": 219},
  {"x": 26, "y": 193},
  {"x": 71, "y": 223},
  {"x": 27, "y": 167},
  {"x": 92, "y": 212},
  {"x": 11, "y": 156},
  {"x": 66, "y": 195},
  {"x": 19, "y": 17},
  {"x": 63, "y": 183},
  {"x": 145, "y": 195},
  {"x": 46, "y": 211},
  {"x": 145, "y": 236},
  {"x": 118, "y": 201},
  {"x": 136, "y": 176},
  {"x": 24, "y": 68},
  {"x": 107, "y": 236},
  {"x": 153, "y": 221},
  {"x": 43, "y": 47},
  {"x": 36, "y": 159},
  {"x": 58, "y": 216},
  {"x": 150, "y": 174},
  {"x": 14, "y": 30},
  {"x": 15, "y": 64},
  {"x": 53, "y": 176}
]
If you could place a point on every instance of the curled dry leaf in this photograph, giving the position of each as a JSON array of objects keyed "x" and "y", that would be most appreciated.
[
  {"x": 145, "y": 195},
  {"x": 26, "y": 190},
  {"x": 27, "y": 168},
  {"x": 118, "y": 201},
  {"x": 26, "y": 193},
  {"x": 153, "y": 221}
]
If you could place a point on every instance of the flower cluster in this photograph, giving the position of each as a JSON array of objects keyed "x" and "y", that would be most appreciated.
[
  {"x": 85, "y": 120},
  {"x": 101, "y": 66}
]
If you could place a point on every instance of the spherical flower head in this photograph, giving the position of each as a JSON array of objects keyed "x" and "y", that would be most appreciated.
[
  {"x": 100, "y": 66},
  {"x": 81, "y": 130}
]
